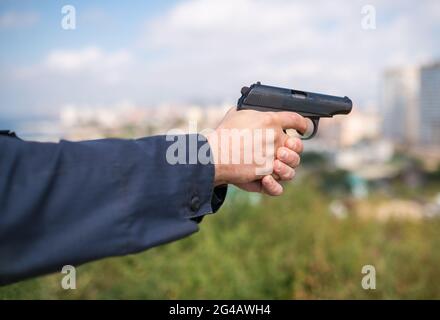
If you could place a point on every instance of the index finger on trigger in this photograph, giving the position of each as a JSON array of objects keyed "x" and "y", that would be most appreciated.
[{"x": 292, "y": 120}]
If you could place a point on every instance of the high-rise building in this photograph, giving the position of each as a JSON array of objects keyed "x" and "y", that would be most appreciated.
[
  {"x": 430, "y": 105},
  {"x": 400, "y": 106}
]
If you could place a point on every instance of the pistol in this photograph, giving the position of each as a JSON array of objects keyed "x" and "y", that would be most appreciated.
[{"x": 308, "y": 104}]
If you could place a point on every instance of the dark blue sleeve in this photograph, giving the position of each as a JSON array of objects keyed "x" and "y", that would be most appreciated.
[{"x": 73, "y": 202}]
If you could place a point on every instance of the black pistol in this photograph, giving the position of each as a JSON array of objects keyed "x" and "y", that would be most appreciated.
[{"x": 308, "y": 104}]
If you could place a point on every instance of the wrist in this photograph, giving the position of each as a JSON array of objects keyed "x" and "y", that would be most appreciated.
[{"x": 219, "y": 169}]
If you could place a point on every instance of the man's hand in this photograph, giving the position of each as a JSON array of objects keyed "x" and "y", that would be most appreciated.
[{"x": 281, "y": 153}]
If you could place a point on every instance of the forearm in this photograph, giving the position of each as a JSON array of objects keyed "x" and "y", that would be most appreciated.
[{"x": 73, "y": 202}]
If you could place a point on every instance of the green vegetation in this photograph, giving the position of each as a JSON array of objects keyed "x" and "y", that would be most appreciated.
[{"x": 281, "y": 248}]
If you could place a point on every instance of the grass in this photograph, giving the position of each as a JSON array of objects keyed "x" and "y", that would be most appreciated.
[{"x": 281, "y": 248}]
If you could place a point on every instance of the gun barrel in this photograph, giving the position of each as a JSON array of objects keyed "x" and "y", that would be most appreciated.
[{"x": 308, "y": 104}]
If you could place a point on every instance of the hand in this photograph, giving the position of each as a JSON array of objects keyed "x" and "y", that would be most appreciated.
[
  {"x": 280, "y": 152},
  {"x": 284, "y": 169}
]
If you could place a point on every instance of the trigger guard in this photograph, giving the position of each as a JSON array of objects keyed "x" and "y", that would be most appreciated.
[{"x": 315, "y": 122}]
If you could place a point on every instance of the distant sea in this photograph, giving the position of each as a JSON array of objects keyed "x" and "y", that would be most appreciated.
[
  {"x": 38, "y": 128},
  {"x": 7, "y": 124}
]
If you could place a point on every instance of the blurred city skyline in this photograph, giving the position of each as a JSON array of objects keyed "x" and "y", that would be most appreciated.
[{"x": 146, "y": 53}]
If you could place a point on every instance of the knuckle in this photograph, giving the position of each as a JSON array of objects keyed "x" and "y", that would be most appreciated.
[
  {"x": 272, "y": 184},
  {"x": 280, "y": 153},
  {"x": 295, "y": 118},
  {"x": 290, "y": 156},
  {"x": 276, "y": 166},
  {"x": 269, "y": 184}
]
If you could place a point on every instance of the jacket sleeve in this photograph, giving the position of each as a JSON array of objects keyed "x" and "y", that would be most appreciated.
[{"x": 73, "y": 202}]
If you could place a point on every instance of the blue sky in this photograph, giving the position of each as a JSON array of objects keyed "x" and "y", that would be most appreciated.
[
  {"x": 202, "y": 51},
  {"x": 110, "y": 24}
]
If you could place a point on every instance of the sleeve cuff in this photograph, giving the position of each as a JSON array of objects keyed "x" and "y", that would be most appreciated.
[
  {"x": 203, "y": 198},
  {"x": 217, "y": 199}
]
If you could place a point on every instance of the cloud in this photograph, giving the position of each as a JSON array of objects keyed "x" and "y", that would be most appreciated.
[
  {"x": 317, "y": 45},
  {"x": 89, "y": 75},
  {"x": 89, "y": 66},
  {"x": 12, "y": 19},
  {"x": 89, "y": 59}
]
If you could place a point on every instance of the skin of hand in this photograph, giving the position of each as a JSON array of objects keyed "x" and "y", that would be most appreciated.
[{"x": 283, "y": 161}]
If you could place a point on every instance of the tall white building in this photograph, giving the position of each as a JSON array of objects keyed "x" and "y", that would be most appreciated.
[
  {"x": 400, "y": 105},
  {"x": 430, "y": 105}
]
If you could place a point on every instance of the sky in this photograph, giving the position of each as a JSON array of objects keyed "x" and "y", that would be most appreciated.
[{"x": 148, "y": 53}]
